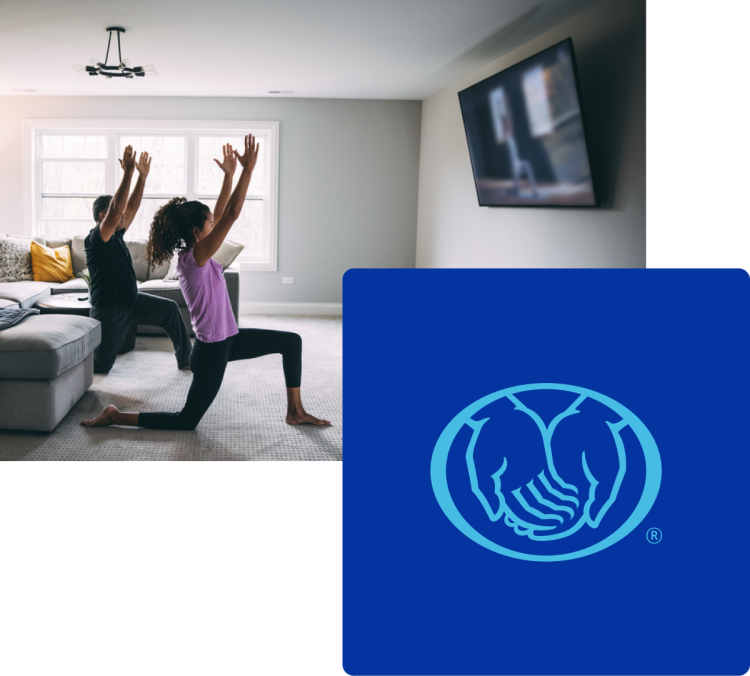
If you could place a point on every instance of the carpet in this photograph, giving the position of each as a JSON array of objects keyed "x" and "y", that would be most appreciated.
[{"x": 245, "y": 421}]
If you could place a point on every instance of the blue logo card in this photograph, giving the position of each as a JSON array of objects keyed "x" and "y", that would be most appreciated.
[{"x": 546, "y": 472}]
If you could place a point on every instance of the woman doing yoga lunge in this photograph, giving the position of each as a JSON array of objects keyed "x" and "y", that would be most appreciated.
[{"x": 189, "y": 227}]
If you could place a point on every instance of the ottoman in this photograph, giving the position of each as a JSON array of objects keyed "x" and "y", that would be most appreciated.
[{"x": 46, "y": 365}]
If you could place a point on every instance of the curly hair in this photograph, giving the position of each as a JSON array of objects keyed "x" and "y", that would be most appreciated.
[{"x": 172, "y": 229}]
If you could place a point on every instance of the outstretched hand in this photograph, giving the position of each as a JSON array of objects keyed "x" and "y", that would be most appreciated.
[
  {"x": 143, "y": 166},
  {"x": 128, "y": 159},
  {"x": 250, "y": 157},
  {"x": 229, "y": 163}
]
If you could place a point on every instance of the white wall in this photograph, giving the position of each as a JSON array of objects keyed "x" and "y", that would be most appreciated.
[
  {"x": 453, "y": 231},
  {"x": 348, "y": 172}
]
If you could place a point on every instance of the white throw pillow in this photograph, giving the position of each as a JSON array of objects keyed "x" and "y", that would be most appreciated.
[
  {"x": 15, "y": 260},
  {"x": 225, "y": 256},
  {"x": 172, "y": 273},
  {"x": 227, "y": 252}
]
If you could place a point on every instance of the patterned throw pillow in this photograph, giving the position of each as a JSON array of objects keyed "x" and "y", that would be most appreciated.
[{"x": 15, "y": 260}]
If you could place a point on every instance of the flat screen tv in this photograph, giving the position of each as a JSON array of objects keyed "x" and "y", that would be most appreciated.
[{"x": 526, "y": 134}]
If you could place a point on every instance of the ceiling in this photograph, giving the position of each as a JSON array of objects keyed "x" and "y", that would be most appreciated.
[{"x": 375, "y": 49}]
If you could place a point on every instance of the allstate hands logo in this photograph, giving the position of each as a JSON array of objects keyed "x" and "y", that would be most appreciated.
[
  {"x": 546, "y": 472},
  {"x": 561, "y": 508}
]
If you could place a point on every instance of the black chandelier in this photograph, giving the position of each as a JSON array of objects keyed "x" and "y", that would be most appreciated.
[{"x": 122, "y": 69}]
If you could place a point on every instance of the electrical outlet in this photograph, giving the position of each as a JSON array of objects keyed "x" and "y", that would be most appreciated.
[{"x": 287, "y": 280}]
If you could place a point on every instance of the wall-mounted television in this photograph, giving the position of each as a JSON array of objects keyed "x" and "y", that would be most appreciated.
[{"x": 526, "y": 134}]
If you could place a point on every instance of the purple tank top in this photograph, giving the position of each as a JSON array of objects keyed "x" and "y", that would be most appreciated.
[{"x": 206, "y": 295}]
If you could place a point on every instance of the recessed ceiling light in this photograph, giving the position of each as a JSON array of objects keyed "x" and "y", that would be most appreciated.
[
  {"x": 281, "y": 91},
  {"x": 23, "y": 90}
]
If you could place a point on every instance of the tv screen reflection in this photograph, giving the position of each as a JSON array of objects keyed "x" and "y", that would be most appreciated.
[{"x": 526, "y": 136}]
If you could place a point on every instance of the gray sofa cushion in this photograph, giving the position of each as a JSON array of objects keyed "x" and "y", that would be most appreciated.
[
  {"x": 57, "y": 243},
  {"x": 41, "y": 404},
  {"x": 78, "y": 254},
  {"x": 71, "y": 286},
  {"x": 137, "y": 248},
  {"x": 160, "y": 272},
  {"x": 164, "y": 289},
  {"x": 232, "y": 278},
  {"x": 46, "y": 345},
  {"x": 24, "y": 293}
]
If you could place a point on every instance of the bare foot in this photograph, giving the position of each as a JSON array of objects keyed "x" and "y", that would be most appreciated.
[
  {"x": 304, "y": 418},
  {"x": 103, "y": 420}
]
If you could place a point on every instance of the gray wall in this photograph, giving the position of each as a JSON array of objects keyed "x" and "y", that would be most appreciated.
[
  {"x": 348, "y": 174},
  {"x": 453, "y": 231}
]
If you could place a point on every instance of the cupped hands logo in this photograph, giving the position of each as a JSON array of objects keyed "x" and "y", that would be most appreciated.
[{"x": 546, "y": 472}]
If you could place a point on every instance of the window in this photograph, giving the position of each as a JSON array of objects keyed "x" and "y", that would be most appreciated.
[{"x": 71, "y": 163}]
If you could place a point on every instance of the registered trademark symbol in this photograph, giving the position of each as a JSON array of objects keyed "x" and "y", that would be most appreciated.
[{"x": 653, "y": 535}]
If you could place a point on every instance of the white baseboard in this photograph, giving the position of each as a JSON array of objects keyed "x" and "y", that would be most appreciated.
[{"x": 252, "y": 308}]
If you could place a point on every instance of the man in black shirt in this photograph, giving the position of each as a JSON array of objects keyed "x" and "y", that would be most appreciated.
[{"x": 115, "y": 299}]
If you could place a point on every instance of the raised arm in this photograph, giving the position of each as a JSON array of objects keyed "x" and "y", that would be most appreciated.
[
  {"x": 228, "y": 166},
  {"x": 143, "y": 166},
  {"x": 116, "y": 212},
  {"x": 210, "y": 244}
]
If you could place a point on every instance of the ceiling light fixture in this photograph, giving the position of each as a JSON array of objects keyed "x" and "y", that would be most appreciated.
[{"x": 122, "y": 69}]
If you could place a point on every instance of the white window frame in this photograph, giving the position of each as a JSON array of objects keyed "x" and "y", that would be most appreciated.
[{"x": 268, "y": 131}]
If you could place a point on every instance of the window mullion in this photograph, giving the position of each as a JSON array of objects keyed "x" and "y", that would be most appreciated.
[
  {"x": 191, "y": 164},
  {"x": 111, "y": 166},
  {"x": 37, "y": 215},
  {"x": 70, "y": 194},
  {"x": 77, "y": 160}
]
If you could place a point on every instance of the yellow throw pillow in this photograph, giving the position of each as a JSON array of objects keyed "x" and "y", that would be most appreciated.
[{"x": 51, "y": 265}]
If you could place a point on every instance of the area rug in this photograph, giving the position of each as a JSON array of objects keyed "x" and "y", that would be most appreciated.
[{"x": 245, "y": 422}]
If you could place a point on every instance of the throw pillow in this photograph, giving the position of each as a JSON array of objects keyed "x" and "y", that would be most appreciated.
[
  {"x": 15, "y": 260},
  {"x": 51, "y": 265},
  {"x": 225, "y": 256},
  {"x": 172, "y": 274},
  {"x": 227, "y": 252}
]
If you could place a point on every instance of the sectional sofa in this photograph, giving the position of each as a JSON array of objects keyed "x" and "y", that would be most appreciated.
[{"x": 149, "y": 281}]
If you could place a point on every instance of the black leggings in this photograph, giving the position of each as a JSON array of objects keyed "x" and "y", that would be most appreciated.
[{"x": 208, "y": 361}]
